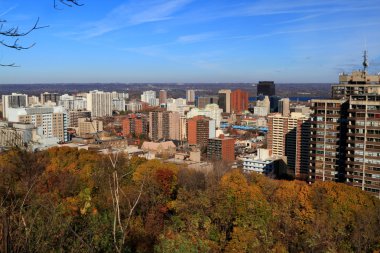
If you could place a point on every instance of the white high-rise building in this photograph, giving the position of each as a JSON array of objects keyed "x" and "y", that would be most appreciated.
[
  {"x": 33, "y": 100},
  {"x": 190, "y": 96},
  {"x": 53, "y": 120},
  {"x": 150, "y": 98},
  {"x": 118, "y": 104},
  {"x": 99, "y": 103},
  {"x": 14, "y": 100},
  {"x": 211, "y": 110},
  {"x": 73, "y": 103}
]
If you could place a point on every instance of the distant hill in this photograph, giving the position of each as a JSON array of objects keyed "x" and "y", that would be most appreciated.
[{"x": 174, "y": 90}]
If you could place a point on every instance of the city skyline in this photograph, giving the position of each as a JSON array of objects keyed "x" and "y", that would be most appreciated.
[{"x": 191, "y": 41}]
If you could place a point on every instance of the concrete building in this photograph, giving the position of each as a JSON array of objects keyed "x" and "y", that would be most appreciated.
[
  {"x": 224, "y": 100},
  {"x": 14, "y": 100},
  {"x": 239, "y": 101},
  {"x": 89, "y": 126},
  {"x": 163, "y": 96},
  {"x": 33, "y": 100},
  {"x": 205, "y": 100},
  {"x": 260, "y": 111},
  {"x": 190, "y": 96},
  {"x": 266, "y": 88},
  {"x": 24, "y": 135},
  {"x": 264, "y": 103},
  {"x": 99, "y": 103},
  {"x": 75, "y": 115},
  {"x": 164, "y": 125},
  {"x": 73, "y": 103},
  {"x": 149, "y": 97},
  {"x": 199, "y": 130},
  {"x": 134, "y": 106},
  {"x": 328, "y": 139},
  {"x": 135, "y": 124},
  {"x": 118, "y": 104},
  {"x": 305, "y": 110},
  {"x": 363, "y": 143},
  {"x": 288, "y": 137},
  {"x": 357, "y": 83},
  {"x": 222, "y": 148},
  {"x": 52, "y": 97},
  {"x": 345, "y": 143},
  {"x": 211, "y": 110},
  {"x": 263, "y": 163},
  {"x": 284, "y": 107},
  {"x": 178, "y": 105},
  {"x": 53, "y": 120}
]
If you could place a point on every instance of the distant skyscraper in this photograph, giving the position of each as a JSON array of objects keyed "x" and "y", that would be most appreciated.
[
  {"x": 46, "y": 97},
  {"x": 284, "y": 107},
  {"x": 266, "y": 88},
  {"x": 205, "y": 100},
  {"x": 225, "y": 100},
  {"x": 13, "y": 101},
  {"x": 99, "y": 103},
  {"x": 274, "y": 103},
  {"x": 239, "y": 101},
  {"x": 190, "y": 96},
  {"x": 149, "y": 97},
  {"x": 163, "y": 95}
]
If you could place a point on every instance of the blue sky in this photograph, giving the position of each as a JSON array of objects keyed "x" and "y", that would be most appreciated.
[{"x": 192, "y": 40}]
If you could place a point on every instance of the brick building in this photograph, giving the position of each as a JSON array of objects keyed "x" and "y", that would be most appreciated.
[
  {"x": 221, "y": 148},
  {"x": 239, "y": 101}
]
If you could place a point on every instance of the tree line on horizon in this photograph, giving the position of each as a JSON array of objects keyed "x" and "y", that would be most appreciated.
[{"x": 65, "y": 200}]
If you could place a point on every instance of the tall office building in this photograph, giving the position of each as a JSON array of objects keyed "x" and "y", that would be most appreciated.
[
  {"x": 135, "y": 124},
  {"x": 205, "y": 100},
  {"x": 99, "y": 103},
  {"x": 224, "y": 101},
  {"x": 274, "y": 100},
  {"x": 53, "y": 120},
  {"x": 47, "y": 96},
  {"x": 163, "y": 96},
  {"x": 266, "y": 88},
  {"x": 190, "y": 96},
  {"x": 14, "y": 100},
  {"x": 199, "y": 130},
  {"x": 289, "y": 137},
  {"x": 149, "y": 97},
  {"x": 239, "y": 101},
  {"x": 284, "y": 107}
]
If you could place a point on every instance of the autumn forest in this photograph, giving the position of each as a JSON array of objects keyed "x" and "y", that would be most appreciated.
[{"x": 65, "y": 200}]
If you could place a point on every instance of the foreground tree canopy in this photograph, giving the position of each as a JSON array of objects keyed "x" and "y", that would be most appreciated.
[{"x": 66, "y": 200}]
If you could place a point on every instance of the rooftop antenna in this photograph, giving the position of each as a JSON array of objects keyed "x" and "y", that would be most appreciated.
[{"x": 365, "y": 60}]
